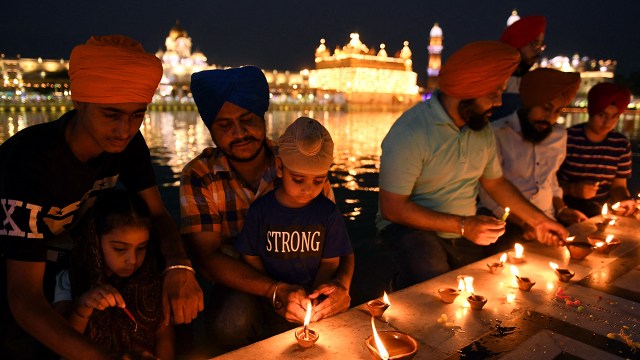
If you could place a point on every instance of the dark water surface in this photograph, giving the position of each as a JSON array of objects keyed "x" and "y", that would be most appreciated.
[{"x": 174, "y": 138}]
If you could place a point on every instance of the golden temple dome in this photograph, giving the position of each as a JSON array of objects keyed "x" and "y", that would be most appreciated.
[{"x": 177, "y": 31}]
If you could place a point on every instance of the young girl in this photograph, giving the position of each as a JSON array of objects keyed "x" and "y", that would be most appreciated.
[{"x": 112, "y": 292}]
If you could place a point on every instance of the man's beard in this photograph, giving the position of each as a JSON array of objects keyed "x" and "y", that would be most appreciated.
[
  {"x": 232, "y": 157},
  {"x": 475, "y": 121},
  {"x": 529, "y": 132},
  {"x": 523, "y": 68}
]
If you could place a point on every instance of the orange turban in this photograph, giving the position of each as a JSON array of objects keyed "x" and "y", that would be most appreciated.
[
  {"x": 478, "y": 69},
  {"x": 524, "y": 31},
  {"x": 542, "y": 85},
  {"x": 113, "y": 69},
  {"x": 604, "y": 94}
]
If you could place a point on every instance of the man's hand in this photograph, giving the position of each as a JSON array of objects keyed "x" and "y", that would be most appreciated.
[
  {"x": 570, "y": 216},
  {"x": 483, "y": 230},
  {"x": 294, "y": 302},
  {"x": 336, "y": 300},
  {"x": 584, "y": 189},
  {"x": 550, "y": 233},
  {"x": 626, "y": 208},
  {"x": 181, "y": 296}
]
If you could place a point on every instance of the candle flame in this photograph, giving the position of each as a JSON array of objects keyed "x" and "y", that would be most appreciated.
[
  {"x": 385, "y": 298},
  {"x": 599, "y": 244},
  {"x": 605, "y": 210},
  {"x": 615, "y": 206},
  {"x": 460, "y": 284},
  {"x": 468, "y": 283},
  {"x": 506, "y": 214},
  {"x": 307, "y": 318},
  {"x": 503, "y": 258},
  {"x": 519, "y": 250},
  {"x": 514, "y": 270},
  {"x": 570, "y": 238},
  {"x": 382, "y": 351},
  {"x": 553, "y": 265},
  {"x": 510, "y": 297},
  {"x": 612, "y": 222},
  {"x": 609, "y": 238}
]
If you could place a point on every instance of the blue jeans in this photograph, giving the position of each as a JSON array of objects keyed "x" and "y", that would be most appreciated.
[{"x": 421, "y": 255}]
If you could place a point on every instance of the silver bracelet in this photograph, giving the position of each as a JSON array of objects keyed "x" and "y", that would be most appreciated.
[
  {"x": 276, "y": 304},
  {"x": 173, "y": 267},
  {"x": 462, "y": 226},
  {"x": 561, "y": 210}
]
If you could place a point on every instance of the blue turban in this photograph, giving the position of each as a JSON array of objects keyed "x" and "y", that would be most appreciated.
[{"x": 244, "y": 86}]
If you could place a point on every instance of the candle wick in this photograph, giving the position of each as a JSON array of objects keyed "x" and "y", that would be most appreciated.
[{"x": 306, "y": 332}]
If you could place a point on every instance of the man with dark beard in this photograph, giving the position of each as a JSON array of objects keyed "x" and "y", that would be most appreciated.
[
  {"x": 531, "y": 148},
  {"x": 216, "y": 190},
  {"x": 527, "y": 36},
  {"x": 433, "y": 159}
]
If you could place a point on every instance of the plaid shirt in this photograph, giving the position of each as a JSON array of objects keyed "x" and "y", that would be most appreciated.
[{"x": 214, "y": 199}]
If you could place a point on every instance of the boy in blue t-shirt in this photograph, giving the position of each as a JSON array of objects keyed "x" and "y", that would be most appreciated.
[{"x": 294, "y": 233}]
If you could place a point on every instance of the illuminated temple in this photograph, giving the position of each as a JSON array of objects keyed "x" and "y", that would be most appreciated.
[{"x": 363, "y": 76}]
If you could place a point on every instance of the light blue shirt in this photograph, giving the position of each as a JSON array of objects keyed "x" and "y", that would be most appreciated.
[
  {"x": 426, "y": 156},
  {"x": 530, "y": 167}
]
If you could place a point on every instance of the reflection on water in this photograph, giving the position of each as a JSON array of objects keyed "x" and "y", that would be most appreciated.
[{"x": 175, "y": 138}]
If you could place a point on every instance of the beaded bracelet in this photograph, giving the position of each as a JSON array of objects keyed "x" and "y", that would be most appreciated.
[{"x": 172, "y": 267}]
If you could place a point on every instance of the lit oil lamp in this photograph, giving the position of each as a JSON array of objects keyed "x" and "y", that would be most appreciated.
[
  {"x": 307, "y": 337},
  {"x": 605, "y": 246},
  {"x": 578, "y": 250},
  {"x": 516, "y": 256},
  {"x": 475, "y": 301},
  {"x": 506, "y": 214},
  {"x": 390, "y": 344},
  {"x": 496, "y": 268},
  {"x": 563, "y": 275},
  {"x": 377, "y": 307},
  {"x": 448, "y": 295},
  {"x": 524, "y": 283}
]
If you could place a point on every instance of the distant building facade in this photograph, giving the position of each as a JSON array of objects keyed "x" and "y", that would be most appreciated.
[
  {"x": 363, "y": 76},
  {"x": 435, "y": 57}
]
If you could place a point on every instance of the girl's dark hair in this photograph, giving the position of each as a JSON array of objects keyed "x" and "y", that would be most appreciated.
[{"x": 118, "y": 209}]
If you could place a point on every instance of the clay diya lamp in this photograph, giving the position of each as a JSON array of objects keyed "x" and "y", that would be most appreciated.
[
  {"x": 496, "y": 268},
  {"x": 391, "y": 344},
  {"x": 579, "y": 250},
  {"x": 305, "y": 336},
  {"x": 603, "y": 246},
  {"x": 563, "y": 275},
  {"x": 516, "y": 257},
  {"x": 377, "y": 307},
  {"x": 524, "y": 283},
  {"x": 476, "y": 301},
  {"x": 448, "y": 295}
]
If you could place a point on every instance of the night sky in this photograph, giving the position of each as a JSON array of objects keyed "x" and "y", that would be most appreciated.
[{"x": 283, "y": 34}]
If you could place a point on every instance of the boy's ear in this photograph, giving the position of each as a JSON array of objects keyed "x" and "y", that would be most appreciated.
[{"x": 279, "y": 167}]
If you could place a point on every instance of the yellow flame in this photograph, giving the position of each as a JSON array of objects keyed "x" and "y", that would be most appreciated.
[
  {"x": 570, "y": 238},
  {"x": 605, "y": 210},
  {"x": 382, "y": 351},
  {"x": 599, "y": 244},
  {"x": 609, "y": 238},
  {"x": 307, "y": 318},
  {"x": 615, "y": 206},
  {"x": 514, "y": 270},
  {"x": 553, "y": 265},
  {"x": 461, "y": 283},
  {"x": 506, "y": 214},
  {"x": 385, "y": 298},
  {"x": 612, "y": 222},
  {"x": 519, "y": 250},
  {"x": 503, "y": 257},
  {"x": 511, "y": 297},
  {"x": 468, "y": 282}
]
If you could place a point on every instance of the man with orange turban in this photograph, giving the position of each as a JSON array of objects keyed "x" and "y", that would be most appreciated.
[
  {"x": 433, "y": 159},
  {"x": 527, "y": 36},
  {"x": 531, "y": 147},
  {"x": 598, "y": 161},
  {"x": 51, "y": 174}
]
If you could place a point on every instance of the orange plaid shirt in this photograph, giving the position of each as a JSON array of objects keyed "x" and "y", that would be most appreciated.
[{"x": 214, "y": 199}]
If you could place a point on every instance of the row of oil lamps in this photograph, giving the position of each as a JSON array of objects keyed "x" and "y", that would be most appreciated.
[{"x": 397, "y": 345}]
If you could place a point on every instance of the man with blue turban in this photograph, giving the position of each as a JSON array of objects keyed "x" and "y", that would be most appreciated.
[{"x": 216, "y": 190}]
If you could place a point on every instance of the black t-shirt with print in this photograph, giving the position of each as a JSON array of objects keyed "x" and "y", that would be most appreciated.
[{"x": 43, "y": 186}]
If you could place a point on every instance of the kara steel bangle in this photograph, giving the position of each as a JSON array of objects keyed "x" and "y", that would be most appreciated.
[
  {"x": 173, "y": 267},
  {"x": 276, "y": 303}
]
